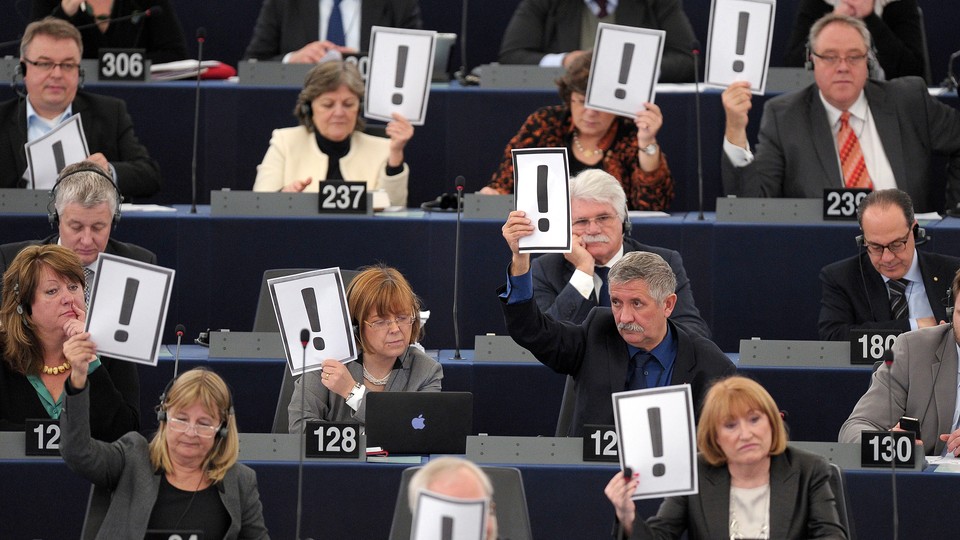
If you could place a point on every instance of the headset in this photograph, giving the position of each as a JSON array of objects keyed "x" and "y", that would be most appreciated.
[
  {"x": 54, "y": 217},
  {"x": 627, "y": 224},
  {"x": 22, "y": 306},
  {"x": 874, "y": 71},
  {"x": 21, "y": 72},
  {"x": 162, "y": 408},
  {"x": 919, "y": 236}
]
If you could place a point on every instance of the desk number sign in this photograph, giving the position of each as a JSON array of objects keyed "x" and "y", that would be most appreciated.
[
  {"x": 339, "y": 197},
  {"x": 123, "y": 65},
  {"x": 867, "y": 345},
  {"x": 334, "y": 440},
  {"x": 881, "y": 448},
  {"x": 600, "y": 443},
  {"x": 42, "y": 437},
  {"x": 840, "y": 204}
]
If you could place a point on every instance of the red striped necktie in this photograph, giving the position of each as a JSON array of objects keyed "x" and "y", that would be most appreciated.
[{"x": 852, "y": 164}]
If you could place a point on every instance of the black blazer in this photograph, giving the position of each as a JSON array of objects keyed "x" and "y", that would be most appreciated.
[
  {"x": 855, "y": 295},
  {"x": 596, "y": 356},
  {"x": 108, "y": 129},
  {"x": 557, "y": 298},
  {"x": 285, "y": 26},
  {"x": 114, "y": 247}
]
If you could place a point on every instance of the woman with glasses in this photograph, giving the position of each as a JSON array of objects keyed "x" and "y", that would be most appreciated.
[
  {"x": 184, "y": 479},
  {"x": 386, "y": 325},
  {"x": 624, "y": 147}
]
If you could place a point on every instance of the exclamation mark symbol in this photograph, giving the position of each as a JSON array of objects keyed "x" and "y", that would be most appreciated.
[
  {"x": 446, "y": 528},
  {"x": 310, "y": 302},
  {"x": 625, "y": 62},
  {"x": 656, "y": 437},
  {"x": 126, "y": 308},
  {"x": 544, "y": 223},
  {"x": 741, "y": 40},
  {"x": 58, "y": 158},
  {"x": 401, "y": 72}
]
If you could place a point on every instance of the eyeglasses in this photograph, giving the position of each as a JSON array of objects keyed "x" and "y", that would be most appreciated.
[
  {"x": 182, "y": 426},
  {"x": 834, "y": 60},
  {"x": 45, "y": 66},
  {"x": 600, "y": 221},
  {"x": 894, "y": 247},
  {"x": 381, "y": 324}
]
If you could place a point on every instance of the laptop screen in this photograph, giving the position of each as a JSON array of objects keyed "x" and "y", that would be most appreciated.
[{"x": 419, "y": 422}]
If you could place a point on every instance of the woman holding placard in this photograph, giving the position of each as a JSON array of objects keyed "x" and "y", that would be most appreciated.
[
  {"x": 41, "y": 320},
  {"x": 386, "y": 325},
  {"x": 751, "y": 484}
]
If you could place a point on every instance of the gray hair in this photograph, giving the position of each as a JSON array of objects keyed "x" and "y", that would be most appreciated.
[
  {"x": 847, "y": 20},
  {"x": 440, "y": 467},
  {"x": 81, "y": 183},
  {"x": 649, "y": 267},
  {"x": 599, "y": 186}
]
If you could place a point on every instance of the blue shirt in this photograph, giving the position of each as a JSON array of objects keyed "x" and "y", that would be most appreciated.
[{"x": 659, "y": 371}]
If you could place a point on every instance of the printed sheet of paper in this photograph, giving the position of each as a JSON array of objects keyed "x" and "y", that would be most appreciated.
[
  {"x": 657, "y": 439},
  {"x": 741, "y": 32},
  {"x": 626, "y": 64},
  {"x": 439, "y": 517},
  {"x": 49, "y": 154},
  {"x": 401, "y": 65},
  {"x": 542, "y": 187},
  {"x": 128, "y": 308},
  {"x": 315, "y": 301}
]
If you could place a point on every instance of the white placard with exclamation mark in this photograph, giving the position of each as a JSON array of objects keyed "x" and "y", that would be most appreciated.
[
  {"x": 657, "y": 439},
  {"x": 542, "y": 188},
  {"x": 48, "y": 155},
  {"x": 626, "y": 64},
  {"x": 128, "y": 308},
  {"x": 315, "y": 301},
  {"x": 398, "y": 80},
  {"x": 741, "y": 32},
  {"x": 440, "y": 517}
]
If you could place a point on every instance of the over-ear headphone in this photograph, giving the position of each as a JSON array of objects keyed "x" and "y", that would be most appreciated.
[
  {"x": 54, "y": 217},
  {"x": 627, "y": 224},
  {"x": 162, "y": 408},
  {"x": 21, "y": 72},
  {"x": 872, "y": 64},
  {"x": 306, "y": 109},
  {"x": 919, "y": 236}
]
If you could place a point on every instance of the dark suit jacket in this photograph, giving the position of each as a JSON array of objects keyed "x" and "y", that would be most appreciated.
[
  {"x": 855, "y": 295},
  {"x": 108, "y": 129},
  {"x": 796, "y": 155},
  {"x": 539, "y": 27},
  {"x": 285, "y": 26},
  {"x": 557, "y": 298},
  {"x": 802, "y": 504},
  {"x": 596, "y": 356},
  {"x": 114, "y": 247}
]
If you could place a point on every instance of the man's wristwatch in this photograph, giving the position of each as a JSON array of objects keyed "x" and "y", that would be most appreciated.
[{"x": 650, "y": 149}]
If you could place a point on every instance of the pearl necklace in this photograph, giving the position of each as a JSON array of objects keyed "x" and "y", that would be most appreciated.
[
  {"x": 584, "y": 151},
  {"x": 62, "y": 368},
  {"x": 375, "y": 381}
]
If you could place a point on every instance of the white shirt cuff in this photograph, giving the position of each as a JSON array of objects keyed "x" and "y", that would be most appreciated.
[
  {"x": 354, "y": 402},
  {"x": 583, "y": 283},
  {"x": 552, "y": 60},
  {"x": 738, "y": 156}
]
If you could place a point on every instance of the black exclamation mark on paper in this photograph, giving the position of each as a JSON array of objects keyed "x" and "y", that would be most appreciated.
[
  {"x": 625, "y": 62},
  {"x": 656, "y": 437},
  {"x": 401, "y": 72},
  {"x": 126, "y": 308},
  {"x": 310, "y": 302},
  {"x": 741, "y": 40},
  {"x": 446, "y": 528},
  {"x": 58, "y": 158},
  {"x": 544, "y": 223}
]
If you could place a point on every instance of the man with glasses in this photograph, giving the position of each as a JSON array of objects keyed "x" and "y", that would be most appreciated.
[
  {"x": 842, "y": 131},
  {"x": 567, "y": 286},
  {"x": 50, "y": 54},
  {"x": 890, "y": 285}
]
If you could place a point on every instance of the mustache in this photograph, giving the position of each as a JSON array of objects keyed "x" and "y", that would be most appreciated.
[
  {"x": 595, "y": 239},
  {"x": 630, "y": 327}
]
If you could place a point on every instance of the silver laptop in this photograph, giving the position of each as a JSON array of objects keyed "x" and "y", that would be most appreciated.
[{"x": 419, "y": 422}]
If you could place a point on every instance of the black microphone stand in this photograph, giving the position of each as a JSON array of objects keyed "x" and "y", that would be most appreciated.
[
  {"x": 201, "y": 37},
  {"x": 456, "y": 270}
]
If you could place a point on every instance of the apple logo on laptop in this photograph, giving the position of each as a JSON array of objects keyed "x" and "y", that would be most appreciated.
[{"x": 419, "y": 422}]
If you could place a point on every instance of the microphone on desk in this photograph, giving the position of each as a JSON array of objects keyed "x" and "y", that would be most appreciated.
[
  {"x": 695, "y": 50},
  {"x": 456, "y": 269},
  {"x": 201, "y": 37},
  {"x": 304, "y": 339},
  {"x": 176, "y": 359},
  {"x": 950, "y": 83}
]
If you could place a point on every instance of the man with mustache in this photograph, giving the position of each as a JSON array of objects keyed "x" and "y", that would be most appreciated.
[
  {"x": 630, "y": 345},
  {"x": 567, "y": 286}
]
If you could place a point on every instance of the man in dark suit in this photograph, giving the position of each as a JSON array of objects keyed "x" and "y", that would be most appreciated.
[
  {"x": 896, "y": 126},
  {"x": 50, "y": 65},
  {"x": 85, "y": 208},
  {"x": 857, "y": 292},
  {"x": 630, "y": 345},
  {"x": 552, "y": 33},
  {"x": 290, "y": 30},
  {"x": 567, "y": 286}
]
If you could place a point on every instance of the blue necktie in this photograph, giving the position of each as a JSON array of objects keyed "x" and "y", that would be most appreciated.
[
  {"x": 642, "y": 362},
  {"x": 603, "y": 298},
  {"x": 335, "y": 25}
]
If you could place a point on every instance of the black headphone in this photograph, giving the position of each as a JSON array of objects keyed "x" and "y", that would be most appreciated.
[
  {"x": 162, "y": 407},
  {"x": 919, "y": 236},
  {"x": 872, "y": 63},
  {"x": 54, "y": 217},
  {"x": 21, "y": 71},
  {"x": 306, "y": 109},
  {"x": 627, "y": 224}
]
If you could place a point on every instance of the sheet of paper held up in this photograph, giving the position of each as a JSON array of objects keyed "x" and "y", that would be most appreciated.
[
  {"x": 542, "y": 188},
  {"x": 48, "y": 155},
  {"x": 401, "y": 65},
  {"x": 741, "y": 32}
]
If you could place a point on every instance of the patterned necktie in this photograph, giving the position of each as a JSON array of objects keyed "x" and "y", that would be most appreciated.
[
  {"x": 603, "y": 298},
  {"x": 602, "y": 6},
  {"x": 852, "y": 164},
  {"x": 898, "y": 298},
  {"x": 335, "y": 31},
  {"x": 88, "y": 276}
]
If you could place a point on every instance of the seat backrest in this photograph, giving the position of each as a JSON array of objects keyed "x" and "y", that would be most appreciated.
[
  {"x": 513, "y": 519},
  {"x": 567, "y": 405},
  {"x": 97, "y": 506},
  {"x": 838, "y": 485}
]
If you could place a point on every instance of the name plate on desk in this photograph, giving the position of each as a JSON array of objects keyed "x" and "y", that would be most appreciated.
[
  {"x": 500, "y": 348},
  {"x": 41, "y": 437},
  {"x": 265, "y": 73},
  {"x": 282, "y": 447},
  {"x": 867, "y": 345},
  {"x": 890, "y": 448},
  {"x": 340, "y": 197},
  {"x": 476, "y": 206},
  {"x": 763, "y": 210},
  {"x": 333, "y": 440},
  {"x": 123, "y": 65},
  {"x": 246, "y": 345},
  {"x": 24, "y": 201},
  {"x": 600, "y": 443},
  {"x": 840, "y": 204},
  {"x": 263, "y": 204},
  {"x": 770, "y": 352},
  {"x": 518, "y": 76}
]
